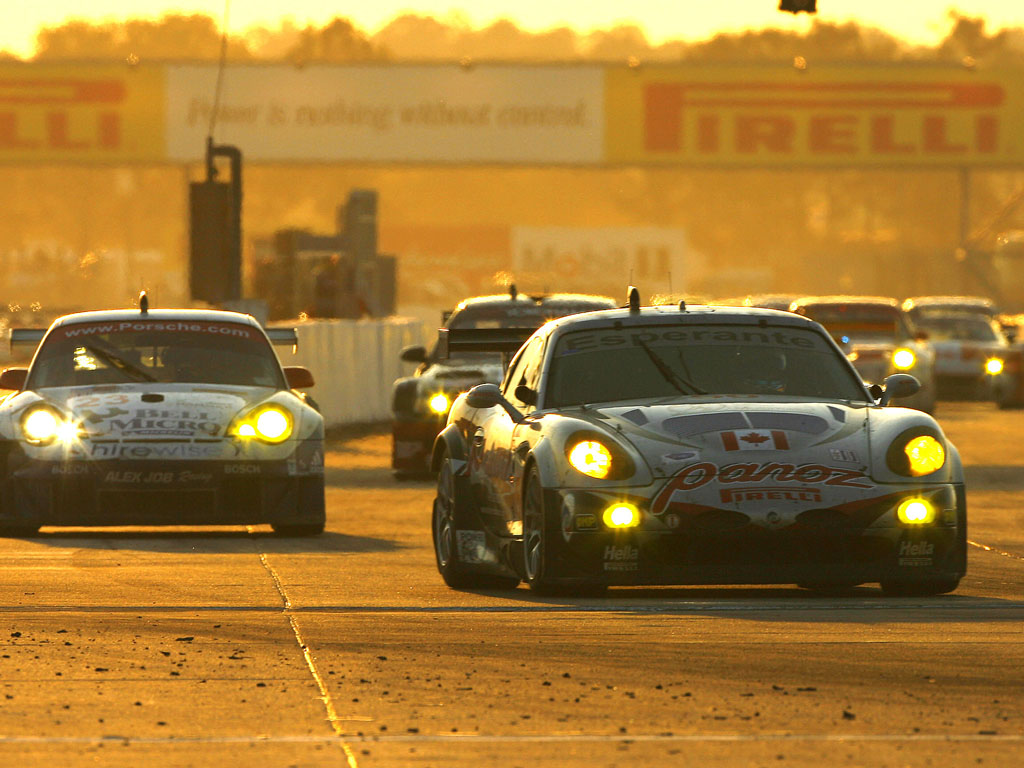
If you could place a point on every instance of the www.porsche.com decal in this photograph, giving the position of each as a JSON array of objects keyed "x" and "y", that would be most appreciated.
[{"x": 774, "y": 473}]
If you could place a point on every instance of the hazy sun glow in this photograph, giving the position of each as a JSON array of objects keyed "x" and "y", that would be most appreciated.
[{"x": 918, "y": 21}]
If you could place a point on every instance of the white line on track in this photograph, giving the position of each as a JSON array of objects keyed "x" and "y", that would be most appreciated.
[
  {"x": 307, "y": 654},
  {"x": 987, "y": 548}
]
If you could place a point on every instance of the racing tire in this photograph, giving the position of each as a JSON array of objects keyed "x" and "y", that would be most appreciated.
[
  {"x": 294, "y": 531},
  {"x": 539, "y": 548},
  {"x": 922, "y": 588},
  {"x": 448, "y": 515},
  {"x": 830, "y": 589}
]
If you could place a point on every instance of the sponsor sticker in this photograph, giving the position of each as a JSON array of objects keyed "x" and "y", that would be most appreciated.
[
  {"x": 754, "y": 440},
  {"x": 621, "y": 558},
  {"x": 472, "y": 546}
]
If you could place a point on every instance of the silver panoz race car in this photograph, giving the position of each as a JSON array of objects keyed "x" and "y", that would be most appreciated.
[
  {"x": 164, "y": 417},
  {"x": 693, "y": 445}
]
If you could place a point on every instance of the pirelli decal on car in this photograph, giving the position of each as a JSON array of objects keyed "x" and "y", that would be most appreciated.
[{"x": 774, "y": 473}]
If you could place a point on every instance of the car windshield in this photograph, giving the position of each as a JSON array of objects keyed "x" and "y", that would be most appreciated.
[
  {"x": 155, "y": 351},
  {"x": 697, "y": 360},
  {"x": 959, "y": 328},
  {"x": 860, "y": 324}
]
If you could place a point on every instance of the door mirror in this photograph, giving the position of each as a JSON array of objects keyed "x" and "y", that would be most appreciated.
[
  {"x": 298, "y": 377},
  {"x": 414, "y": 354},
  {"x": 488, "y": 396},
  {"x": 483, "y": 396},
  {"x": 13, "y": 378},
  {"x": 899, "y": 385}
]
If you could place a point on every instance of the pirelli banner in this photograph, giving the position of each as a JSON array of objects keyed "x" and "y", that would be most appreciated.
[{"x": 583, "y": 115}]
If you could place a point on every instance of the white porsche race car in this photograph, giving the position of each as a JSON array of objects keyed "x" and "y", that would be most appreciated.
[{"x": 168, "y": 417}]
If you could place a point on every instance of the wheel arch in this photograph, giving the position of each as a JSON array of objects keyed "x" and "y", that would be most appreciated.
[{"x": 449, "y": 440}]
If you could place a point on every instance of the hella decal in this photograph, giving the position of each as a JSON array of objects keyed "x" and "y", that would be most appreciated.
[{"x": 621, "y": 558}]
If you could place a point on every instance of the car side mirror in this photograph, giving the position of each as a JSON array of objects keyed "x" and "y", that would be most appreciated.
[
  {"x": 13, "y": 378},
  {"x": 899, "y": 385},
  {"x": 298, "y": 377},
  {"x": 526, "y": 395},
  {"x": 488, "y": 396},
  {"x": 414, "y": 354}
]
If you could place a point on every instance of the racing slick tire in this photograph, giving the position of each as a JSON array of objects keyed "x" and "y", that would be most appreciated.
[
  {"x": 448, "y": 517},
  {"x": 311, "y": 509},
  {"x": 923, "y": 588},
  {"x": 541, "y": 550}
]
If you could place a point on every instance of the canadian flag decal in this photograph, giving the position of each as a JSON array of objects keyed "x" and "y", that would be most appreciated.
[{"x": 754, "y": 440}]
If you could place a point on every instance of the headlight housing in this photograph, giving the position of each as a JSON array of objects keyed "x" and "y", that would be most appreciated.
[
  {"x": 270, "y": 423},
  {"x": 916, "y": 452},
  {"x": 993, "y": 366},
  {"x": 596, "y": 455},
  {"x": 40, "y": 424},
  {"x": 903, "y": 359},
  {"x": 439, "y": 403},
  {"x": 591, "y": 458}
]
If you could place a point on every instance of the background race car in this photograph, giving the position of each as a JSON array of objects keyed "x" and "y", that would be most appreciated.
[
  {"x": 420, "y": 402},
  {"x": 970, "y": 353},
  {"x": 879, "y": 339},
  {"x": 169, "y": 417},
  {"x": 693, "y": 445}
]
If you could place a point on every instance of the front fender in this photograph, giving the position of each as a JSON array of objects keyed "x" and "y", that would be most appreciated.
[{"x": 449, "y": 441}]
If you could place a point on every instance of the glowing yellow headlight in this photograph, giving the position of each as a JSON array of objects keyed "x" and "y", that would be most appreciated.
[
  {"x": 925, "y": 454},
  {"x": 41, "y": 425},
  {"x": 621, "y": 515},
  {"x": 271, "y": 423},
  {"x": 591, "y": 458},
  {"x": 993, "y": 366},
  {"x": 903, "y": 359},
  {"x": 439, "y": 403},
  {"x": 915, "y": 512}
]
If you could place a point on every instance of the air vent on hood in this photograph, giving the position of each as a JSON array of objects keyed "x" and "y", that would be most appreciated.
[{"x": 152, "y": 397}]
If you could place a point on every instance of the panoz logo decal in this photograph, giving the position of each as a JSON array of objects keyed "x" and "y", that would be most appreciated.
[
  {"x": 774, "y": 440},
  {"x": 834, "y": 118},
  {"x": 697, "y": 475}
]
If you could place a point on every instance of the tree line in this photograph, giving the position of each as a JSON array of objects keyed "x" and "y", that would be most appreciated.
[{"x": 412, "y": 37}]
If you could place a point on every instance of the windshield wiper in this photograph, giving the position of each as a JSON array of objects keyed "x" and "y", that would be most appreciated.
[
  {"x": 120, "y": 363},
  {"x": 673, "y": 378}
]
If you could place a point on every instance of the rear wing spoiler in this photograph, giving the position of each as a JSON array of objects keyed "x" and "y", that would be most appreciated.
[
  {"x": 26, "y": 337},
  {"x": 30, "y": 337},
  {"x": 505, "y": 340},
  {"x": 283, "y": 337}
]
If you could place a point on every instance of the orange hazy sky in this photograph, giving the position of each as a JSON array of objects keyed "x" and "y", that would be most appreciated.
[{"x": 919, "y": 21}]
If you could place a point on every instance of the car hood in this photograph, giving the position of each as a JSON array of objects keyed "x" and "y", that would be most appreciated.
[
  {"x": 156, "y": 411},
  {"x": 672, "y": 436}
]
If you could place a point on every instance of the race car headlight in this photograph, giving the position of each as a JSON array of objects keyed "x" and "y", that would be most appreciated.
[
  {"x": 621, "y": 514},
  {"x": 591, "y": 458},
  {"x": 439, "y": 403},
  {"x": 269, "y": 423},
  {"x": 915, "y": 512},
  {"x": 993, "y": 366},
  {"x": 41, "y": 424},
  {"x": 903, "y": 359},
  {"x": 916, "y": 453}
]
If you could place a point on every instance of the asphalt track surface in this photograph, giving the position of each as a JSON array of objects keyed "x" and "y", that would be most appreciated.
[{"x": 228, "y": 646}]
